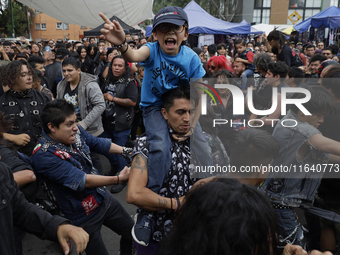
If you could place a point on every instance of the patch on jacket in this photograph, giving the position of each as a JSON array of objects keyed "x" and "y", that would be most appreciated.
[
  {"x": 89, "y": 204},
  {"x": 62, "y": 154},
  {"x": 36, "y": 148}
]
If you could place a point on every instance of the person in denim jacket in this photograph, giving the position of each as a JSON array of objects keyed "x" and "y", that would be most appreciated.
[
  {"x": 62, "y": 158},
  {"x": 301, "y": 146}
]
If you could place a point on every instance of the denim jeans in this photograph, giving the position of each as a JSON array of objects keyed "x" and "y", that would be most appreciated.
[
  {"x": 246, "y": 73},
  {"x": 290, "y": 231},
  {"x": 159, "y": 159},
  {"x": 118, "y": 138}
]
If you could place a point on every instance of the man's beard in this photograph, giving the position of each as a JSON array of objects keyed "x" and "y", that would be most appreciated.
[{"x": 275, "y": 50}]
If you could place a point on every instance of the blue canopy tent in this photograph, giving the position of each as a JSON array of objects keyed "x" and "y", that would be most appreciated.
[
  {"x": 201, "y": 22},
  {"x": 329, "y": 18}
]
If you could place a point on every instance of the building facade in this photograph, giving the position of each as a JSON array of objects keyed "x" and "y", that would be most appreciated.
[
  {"x": 46, "y": 27},
  {"x": 277, "y": 11}
]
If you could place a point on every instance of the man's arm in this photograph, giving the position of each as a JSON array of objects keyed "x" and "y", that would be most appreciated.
[
  {"x": 93, "y": 181},
  {"x": 114, "y": 33},
  {"x": 138, "y": 194},
  {"x": 21, "y": 139},
  {"x": 322, "y": 143},
  {"x": 24, "y": 177}
]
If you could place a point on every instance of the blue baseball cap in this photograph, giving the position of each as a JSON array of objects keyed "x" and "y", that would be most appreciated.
[{"x": 171, "y": 14}]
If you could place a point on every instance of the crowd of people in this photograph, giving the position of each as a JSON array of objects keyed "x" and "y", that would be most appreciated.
[{"x": 137, "y": 101}]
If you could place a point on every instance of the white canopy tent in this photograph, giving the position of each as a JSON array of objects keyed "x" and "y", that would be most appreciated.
[
  {"x": 268, "y": 28},
  {"x": 85, "y": 12}
]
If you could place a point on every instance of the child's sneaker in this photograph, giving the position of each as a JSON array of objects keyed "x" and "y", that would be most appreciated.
[{"x": 143, "y": 227}]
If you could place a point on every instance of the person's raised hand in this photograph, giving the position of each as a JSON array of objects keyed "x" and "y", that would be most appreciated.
[{"x": 112, "y": 31}]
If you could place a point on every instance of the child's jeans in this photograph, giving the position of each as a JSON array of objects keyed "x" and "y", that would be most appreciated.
[
  {"x": 159, "y": 158},
  {"x": 246, "y": 73}
]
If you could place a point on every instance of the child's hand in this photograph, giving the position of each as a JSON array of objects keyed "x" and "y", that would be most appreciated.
[
  {"x": 112, "y": 31},
  {"x": 238, "y": 59}
]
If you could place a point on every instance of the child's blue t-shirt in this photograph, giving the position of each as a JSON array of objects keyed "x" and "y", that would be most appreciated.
[{"x": 164, "y": 72}]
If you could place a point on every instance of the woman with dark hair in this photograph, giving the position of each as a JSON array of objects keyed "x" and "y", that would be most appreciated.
[
  {"x": 35, "y": 49},
  {"x": 92, "y": 51},
  {"x": 120, "y": 94},
  {"x": 223, "y": 217},
  {"x": 87, "y": 64}
]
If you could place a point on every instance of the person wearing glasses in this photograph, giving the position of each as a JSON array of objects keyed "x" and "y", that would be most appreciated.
[
  {"x": 321, "y": 45},
  {"x": 327, "y": 52},
  {"x": 257, "y": 50}
]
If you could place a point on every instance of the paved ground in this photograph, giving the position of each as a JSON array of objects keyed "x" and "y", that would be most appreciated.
[{"x": 33, "y": 245}]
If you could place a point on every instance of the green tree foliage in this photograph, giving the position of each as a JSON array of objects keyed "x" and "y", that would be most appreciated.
[
  {"x": 20, "y": 19},
  {"x": 227, "y": 10}
]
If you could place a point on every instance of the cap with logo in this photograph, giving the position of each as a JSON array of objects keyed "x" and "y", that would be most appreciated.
[
  {"x": 171, "y": 14},
  {"x": 326, "y": 63}
]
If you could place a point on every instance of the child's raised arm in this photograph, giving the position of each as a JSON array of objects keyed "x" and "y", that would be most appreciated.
[{"x": 114, "y": 33}]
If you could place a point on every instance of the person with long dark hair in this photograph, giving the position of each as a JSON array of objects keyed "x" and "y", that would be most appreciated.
[
  {"x": 283, "y": 52},
  {"x": 87, "y": 64},
  {"x": 120, "y": 94},
  {"x": 223, "y": 217}
]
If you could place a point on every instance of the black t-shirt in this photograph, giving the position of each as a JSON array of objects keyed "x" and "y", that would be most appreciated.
[
  {"x": 288, "y": 56},
  {"x": 130, "y": 92},
  {"x": 71, "y": 96}
]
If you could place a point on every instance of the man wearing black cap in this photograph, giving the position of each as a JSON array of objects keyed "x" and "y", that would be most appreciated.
[
  {"x": 54, "y": 72},
  {"x": 7, "y": 47}
]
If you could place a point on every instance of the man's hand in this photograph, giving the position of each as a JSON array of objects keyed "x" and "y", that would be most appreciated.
[
  {"x": 108, "y": 97},
  {"x": 293, "y": 250},
  {"x": 78, "y": 235},
  {"x": 21, "y": 139},
  {"x": 124, "y": 174},
  {"x": 112, "y": 31},
  {"x": 264, "y": 36},
  {"x": 316, "y": 252}
]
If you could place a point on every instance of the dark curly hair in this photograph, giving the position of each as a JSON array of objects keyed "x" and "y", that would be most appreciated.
[
  {"x": 261, "y": 61},
  {"x": 223, "y": 217},
  {"x": 12, "y": 72}
]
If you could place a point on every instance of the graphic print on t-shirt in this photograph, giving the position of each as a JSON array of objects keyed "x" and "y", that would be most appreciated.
[
  {"x": 71, "y": 96},
  {"x": 169, "y": 76}
]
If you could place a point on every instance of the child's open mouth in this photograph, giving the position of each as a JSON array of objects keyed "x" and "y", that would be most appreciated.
[{"x": 170, "y": 42}]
